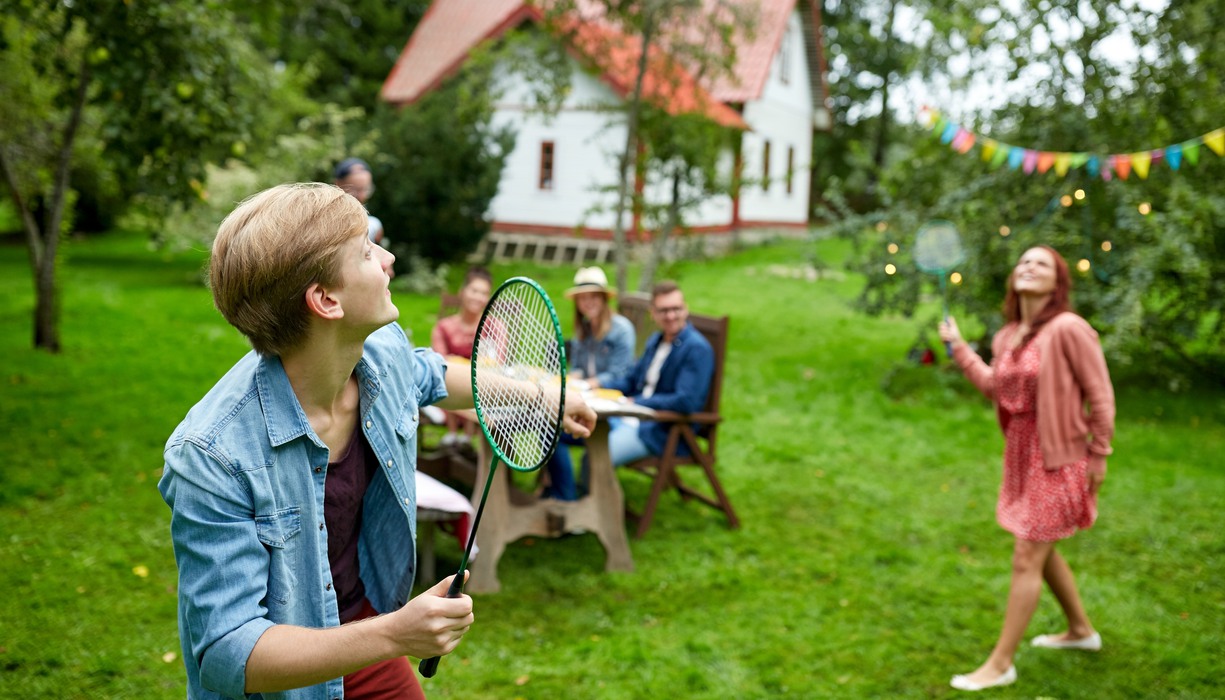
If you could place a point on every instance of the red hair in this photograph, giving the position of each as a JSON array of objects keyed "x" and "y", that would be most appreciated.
[{"x": 1059, "y": 302}]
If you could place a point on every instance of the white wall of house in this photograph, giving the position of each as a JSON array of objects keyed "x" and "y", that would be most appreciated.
[
  {"x": 781, "y": 117},
  {"x": 588, "y": 134},
  {"x": 586, "y": 138}
]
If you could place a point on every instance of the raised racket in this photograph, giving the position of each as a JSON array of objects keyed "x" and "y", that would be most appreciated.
[{"x": 518, "y": 388}]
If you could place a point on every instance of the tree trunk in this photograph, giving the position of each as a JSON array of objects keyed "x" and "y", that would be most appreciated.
[
  {"x": 660, "y": 243},
  {"x": 627, "y": 161},
  {"x": 882, "y": 125},
  {"x": 45, "y": 248}
]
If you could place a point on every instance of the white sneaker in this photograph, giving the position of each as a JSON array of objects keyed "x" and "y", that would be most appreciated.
[
  {"x": 1052, "y": 641},
  {"x": 1006, "y": 678}
]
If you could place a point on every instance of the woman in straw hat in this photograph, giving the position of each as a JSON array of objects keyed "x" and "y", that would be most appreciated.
[{"x": 601, "y": 350}]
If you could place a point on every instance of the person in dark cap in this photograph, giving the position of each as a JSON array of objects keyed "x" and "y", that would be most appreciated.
[{"x": 353, "y": 176}]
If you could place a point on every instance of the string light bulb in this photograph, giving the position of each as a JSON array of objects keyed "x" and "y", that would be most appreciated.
[
  {"x": 1080, "y": 194},
  {"x": 1106, "y": 246},
  {"x": 1066, "y": 200},
  {"x": 882, "y": 226},
  {"x": 1145, "y": 208},
  {"x": 955, "y": 278},
  {"x": 890, "y": 269},
  {"x": 1004, "y": 231},
  {"x": 893, "y": 249},
  {"x": 1083, "y": 265}
]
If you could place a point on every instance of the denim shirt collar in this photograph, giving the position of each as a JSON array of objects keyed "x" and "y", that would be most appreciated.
[{"x": 286, "y": 420}]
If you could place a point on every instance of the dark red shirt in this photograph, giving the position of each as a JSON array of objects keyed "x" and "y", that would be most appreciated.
[{"x": 343, "y": 492}]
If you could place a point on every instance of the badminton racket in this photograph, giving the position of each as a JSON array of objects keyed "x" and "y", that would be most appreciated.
[
  {"x": 518, "y": 389},
  {"x": 937, "y": 250}
]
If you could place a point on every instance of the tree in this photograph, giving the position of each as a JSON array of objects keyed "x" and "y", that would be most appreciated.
[
  {"x": 669, "y": 38},
  {"x": 439, "y": 161},
  {"x": 1149, "y": 250},
  {"x": 158, "y": 89},
  {"x": 686, "y": 154},
  {"x": 347, "y": 47}
]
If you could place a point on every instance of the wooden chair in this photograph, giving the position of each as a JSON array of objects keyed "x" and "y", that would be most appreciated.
[
  {"x": 636, "y": 307},
  {"x": 702, "y": 441}
]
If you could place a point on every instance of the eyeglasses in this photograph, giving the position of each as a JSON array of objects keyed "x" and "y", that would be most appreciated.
[{"x": 669, "y": 310}]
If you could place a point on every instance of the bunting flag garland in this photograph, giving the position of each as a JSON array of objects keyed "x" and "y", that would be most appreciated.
[{"x": 1121, "y": 165}]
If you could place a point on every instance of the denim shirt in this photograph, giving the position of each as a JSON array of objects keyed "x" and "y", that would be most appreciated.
[
  {"x": 244, "y": 478},
  {"x": 613, "y": 354}
]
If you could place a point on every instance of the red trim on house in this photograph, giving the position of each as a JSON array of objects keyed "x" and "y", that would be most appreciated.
[{"x": 603, "y": 234}]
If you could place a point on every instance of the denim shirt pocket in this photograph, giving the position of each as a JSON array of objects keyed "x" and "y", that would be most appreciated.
[
  {"x": 406, "y": 425},
  {"x": 278, "y": 531}
]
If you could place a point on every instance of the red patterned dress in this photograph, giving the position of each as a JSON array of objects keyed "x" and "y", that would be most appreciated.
[{"x": 1035, "y": 503}]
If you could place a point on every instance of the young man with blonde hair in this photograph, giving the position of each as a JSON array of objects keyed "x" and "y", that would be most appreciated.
[{"x": 291, "y": 483}]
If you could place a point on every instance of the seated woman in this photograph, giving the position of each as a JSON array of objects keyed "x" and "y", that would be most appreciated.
[
  {"x": 601, "y": 350},
  {"x": 453, "y": 336}
]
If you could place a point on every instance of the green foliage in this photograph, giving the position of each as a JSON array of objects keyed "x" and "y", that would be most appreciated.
[
  {"x": 1154, "y": 284},
  {"x": 439, "y": 160},
  {"x": 306, "y": 153},
  {"x": 869, "y": 564},
  {"x": 438, "y": 167},
  {"x": 347, "y": 46}
]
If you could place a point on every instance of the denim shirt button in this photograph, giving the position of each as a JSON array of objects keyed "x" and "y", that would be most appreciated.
[
  {"x": 369, "y": 423},
  {"x": 320, "y": 527},
  {"x": 328, "y": 587},
  {"x": 318, "y": 469},
  {"x": 391, "y": 462},
  {"x": 407, "y": 502}
]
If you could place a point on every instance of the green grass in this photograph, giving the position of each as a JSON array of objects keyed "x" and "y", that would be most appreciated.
[{"x": 869, "y": 563}]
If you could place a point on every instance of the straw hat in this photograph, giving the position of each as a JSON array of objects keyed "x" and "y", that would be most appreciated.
[{"x": 590, "y": 279}]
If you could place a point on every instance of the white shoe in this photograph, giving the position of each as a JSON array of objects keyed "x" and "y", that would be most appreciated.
[
  {"x": 1006, "y": 678},
  {"x": 1052, "y": 641}
]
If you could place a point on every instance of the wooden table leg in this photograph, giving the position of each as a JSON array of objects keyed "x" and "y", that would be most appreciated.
[
  {"x": 602, "y": 510},
  {"x": 510, "y": 515}
]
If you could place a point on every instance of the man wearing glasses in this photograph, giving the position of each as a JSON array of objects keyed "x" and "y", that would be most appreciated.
[{"x": 673, "y": 374}]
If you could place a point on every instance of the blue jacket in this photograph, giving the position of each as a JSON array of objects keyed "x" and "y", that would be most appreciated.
[
  {"x": 244, "y": 480},
  {"x": 684, "y": 382}
]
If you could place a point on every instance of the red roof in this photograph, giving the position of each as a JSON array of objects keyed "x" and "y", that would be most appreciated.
[
  {"x": 450, "y": 29},
  {"x": 446, "y": 34}
]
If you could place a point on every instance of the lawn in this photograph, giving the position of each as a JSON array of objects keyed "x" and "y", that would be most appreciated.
[{"x": 869, "y": 563}]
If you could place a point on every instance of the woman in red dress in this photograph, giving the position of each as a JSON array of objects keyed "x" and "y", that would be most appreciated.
[{"x": 1047, "y": 366}]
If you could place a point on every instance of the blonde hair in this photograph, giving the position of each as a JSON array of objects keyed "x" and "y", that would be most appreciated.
[{"x": 270, "y": 249}]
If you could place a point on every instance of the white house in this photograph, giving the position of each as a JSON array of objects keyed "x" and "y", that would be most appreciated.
[{"x": 561, "y": 168}]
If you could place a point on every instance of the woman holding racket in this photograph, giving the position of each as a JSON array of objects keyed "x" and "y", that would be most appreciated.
[
  {"x": 1047, "y": 366},
  {"x": 291, "y": 483}
]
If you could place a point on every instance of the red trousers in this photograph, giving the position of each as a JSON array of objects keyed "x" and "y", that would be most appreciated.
[{"x": 392, "y": 679}]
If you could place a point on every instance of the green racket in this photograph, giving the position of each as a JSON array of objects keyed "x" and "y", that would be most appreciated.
[
  {"x": 937, "y": 250},
  {"x": 518, "y": 388}
]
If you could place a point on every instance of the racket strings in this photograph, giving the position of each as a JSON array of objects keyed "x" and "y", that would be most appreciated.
[
  {"x": 938, "y": 249},
  {"x": 518, "y": 341}
]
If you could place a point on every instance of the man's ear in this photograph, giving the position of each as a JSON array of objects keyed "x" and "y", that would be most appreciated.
[{"x": 321, "y": 302}]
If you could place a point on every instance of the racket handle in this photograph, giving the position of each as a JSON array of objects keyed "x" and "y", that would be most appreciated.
[
  {"x": 428, "y": 667},
  {"x": 948, "y": 348}
]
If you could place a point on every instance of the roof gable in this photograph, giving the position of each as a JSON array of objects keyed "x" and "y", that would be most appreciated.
[{"x": 450, "y": 30}]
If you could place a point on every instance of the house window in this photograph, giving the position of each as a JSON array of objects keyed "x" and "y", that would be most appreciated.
[
  {"x": 784, "y": 58},
  {"x": 790, "y": 167},
  {"x": 546, "y": 165},
  {"x": 765, "y": 167}
]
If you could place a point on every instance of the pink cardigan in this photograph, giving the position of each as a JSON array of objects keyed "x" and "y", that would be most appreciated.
[{"x": 1072, "y": 372}]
